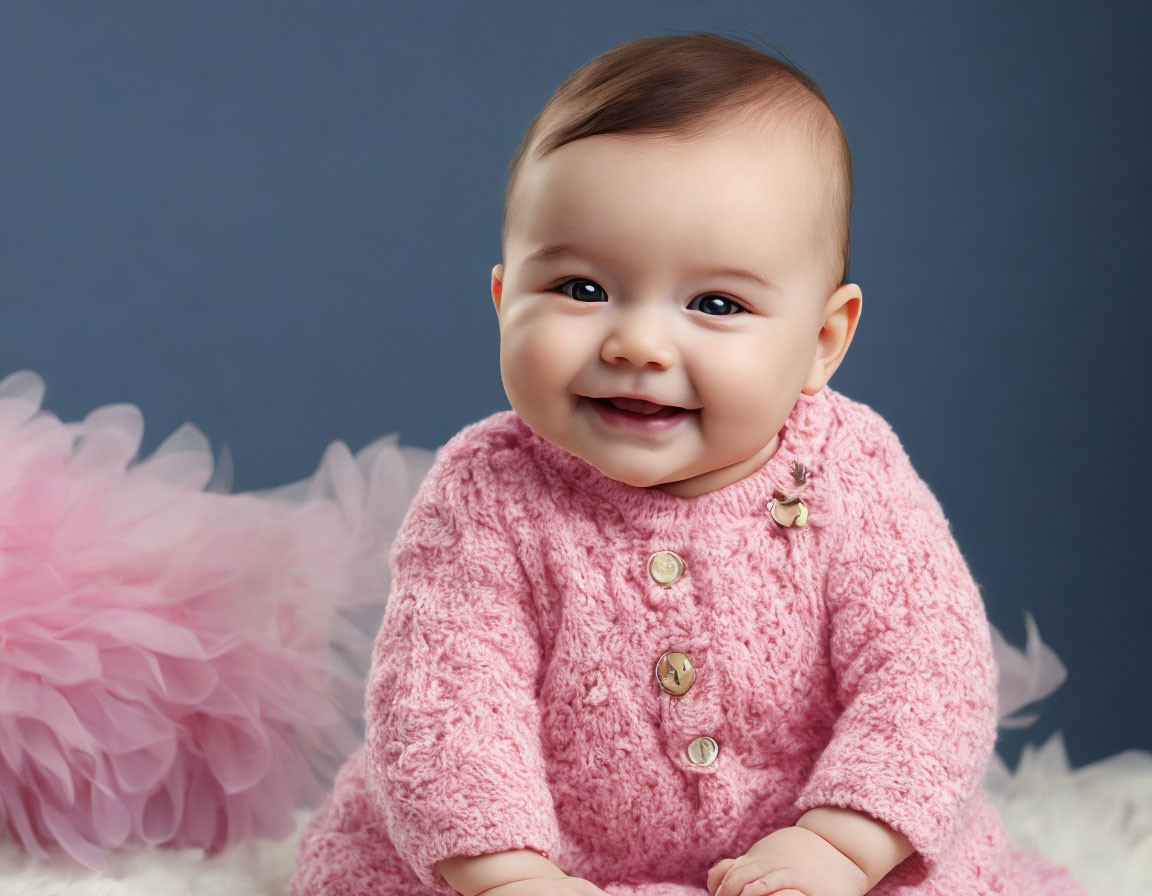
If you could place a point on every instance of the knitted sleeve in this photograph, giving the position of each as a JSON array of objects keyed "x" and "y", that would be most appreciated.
[
  {"x": 911, "y": 650},
  {"x": 453, "y": 754}
]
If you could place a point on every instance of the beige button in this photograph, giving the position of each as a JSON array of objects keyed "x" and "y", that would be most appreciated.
[
  {"x": 703, "y": 751},
  {"x": 675, "y": 673},
  {"x": 665, "y": 567},
  {"x": 794, "y": 514}
]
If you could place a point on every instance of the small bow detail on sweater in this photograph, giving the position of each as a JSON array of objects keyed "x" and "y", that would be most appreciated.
[{"x": 786, "y": 507}]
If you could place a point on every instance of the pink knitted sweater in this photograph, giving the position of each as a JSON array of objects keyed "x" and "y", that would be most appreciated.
[{"x": 513, "y": 700}]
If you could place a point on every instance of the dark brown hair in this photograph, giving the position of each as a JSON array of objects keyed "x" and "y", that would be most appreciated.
[{"x": 684, "y": 85}]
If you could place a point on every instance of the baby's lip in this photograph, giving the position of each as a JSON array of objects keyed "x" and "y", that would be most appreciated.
[{"x": 638, "y": 403}]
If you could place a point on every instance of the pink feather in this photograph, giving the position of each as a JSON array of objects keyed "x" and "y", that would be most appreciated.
[{"x": 178, "y": 667}]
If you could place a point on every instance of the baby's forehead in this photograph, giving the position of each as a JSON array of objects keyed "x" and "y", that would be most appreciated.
[
  {"x": 751, "y": 196},
  {"x": 661, "y": 170}
]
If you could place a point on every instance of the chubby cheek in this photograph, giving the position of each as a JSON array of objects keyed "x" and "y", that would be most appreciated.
[
  {"x": 739, "y": 400},
  {"x": 537, "y": 363}
]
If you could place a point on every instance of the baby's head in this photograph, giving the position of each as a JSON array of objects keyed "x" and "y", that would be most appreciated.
[{"x": 675, "y": 245}]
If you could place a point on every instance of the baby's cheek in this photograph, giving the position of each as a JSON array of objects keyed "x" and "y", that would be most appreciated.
[{"x": 535, "y": 356}]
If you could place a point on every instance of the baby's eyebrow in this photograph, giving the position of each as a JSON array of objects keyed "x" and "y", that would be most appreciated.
[
  {"x": 558, "y": 250},
  {"x": 562, "y": 250},
  {"x": 744, "y": 274}
]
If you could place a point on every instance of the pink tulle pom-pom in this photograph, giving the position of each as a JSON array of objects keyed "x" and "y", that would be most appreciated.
[{"x": 178, "y": 666}]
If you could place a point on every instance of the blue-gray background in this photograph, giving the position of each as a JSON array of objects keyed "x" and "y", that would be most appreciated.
[{"x": 277, "y": 221}]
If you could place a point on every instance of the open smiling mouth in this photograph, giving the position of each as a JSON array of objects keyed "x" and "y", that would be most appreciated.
[
  {"x": 637, "y": 411},
  {"x": 639, "y": 406}
]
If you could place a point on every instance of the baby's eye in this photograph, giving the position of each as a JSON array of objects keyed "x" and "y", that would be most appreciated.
[
  {"x": 710, "y": 303},
  {"x": 585, "y": 291}
]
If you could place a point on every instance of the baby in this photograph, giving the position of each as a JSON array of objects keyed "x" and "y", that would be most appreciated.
[{"x": 684, "y": 620}]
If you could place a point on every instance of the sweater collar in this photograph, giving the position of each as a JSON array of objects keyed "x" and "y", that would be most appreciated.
[{"x": 654, "y": 509}]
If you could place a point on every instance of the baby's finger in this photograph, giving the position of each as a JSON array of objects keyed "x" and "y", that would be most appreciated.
[
  {"x": 716, "y": 874},
  {"x": 745, "y": 879},
  {"x": 750, "y": 880},
  {"x": 760, "y": 887}
]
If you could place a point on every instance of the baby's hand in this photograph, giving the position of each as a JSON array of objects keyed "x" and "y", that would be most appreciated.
[
  {"x": 546, "y": 886},
  {"x": 788, "y": 862}
]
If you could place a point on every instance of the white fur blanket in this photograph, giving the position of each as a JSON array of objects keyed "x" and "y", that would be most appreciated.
[{"x": 1096, "y": 820}]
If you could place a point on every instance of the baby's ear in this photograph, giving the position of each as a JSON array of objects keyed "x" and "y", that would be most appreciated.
[
  {"x": 497, "y": 285},
  {"x": 843, "y": 314}
]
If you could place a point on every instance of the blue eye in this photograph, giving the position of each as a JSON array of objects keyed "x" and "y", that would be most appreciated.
[
  {"x": 711, "y": 303},
  {"x": 587, "y": 291}
]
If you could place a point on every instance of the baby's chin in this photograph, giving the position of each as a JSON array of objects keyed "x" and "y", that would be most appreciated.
[
  {"x": 638, "y": 481},
  {"x": 637, "y": 477}
]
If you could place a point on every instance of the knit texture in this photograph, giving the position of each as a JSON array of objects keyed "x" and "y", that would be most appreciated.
[{"x": 513, "y": 701}]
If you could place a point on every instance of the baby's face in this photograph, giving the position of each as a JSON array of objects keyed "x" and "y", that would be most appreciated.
[{"x": 634, "y": 346}]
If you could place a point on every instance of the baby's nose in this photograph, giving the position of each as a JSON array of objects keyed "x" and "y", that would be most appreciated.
[{"x": 639, "y": 338}]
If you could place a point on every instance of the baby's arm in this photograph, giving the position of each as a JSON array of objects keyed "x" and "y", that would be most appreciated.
[
  {"x": 518, "y": 872},
  {"x": 871, "y": 845},
  {"x": 911, "y": 651},
  {"x": 454, "y": 759},
  {"x": 915, "y": 677},
  {"x": 829, "y": 852}
]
